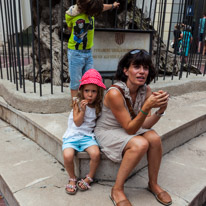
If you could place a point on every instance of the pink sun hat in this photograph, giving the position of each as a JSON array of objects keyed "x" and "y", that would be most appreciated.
[{"x": 92, "y": 76}]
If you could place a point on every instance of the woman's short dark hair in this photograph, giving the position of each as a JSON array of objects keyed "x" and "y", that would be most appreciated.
[{"x": 135, "y": 57}]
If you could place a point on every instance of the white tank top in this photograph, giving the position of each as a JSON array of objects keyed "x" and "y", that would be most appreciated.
[{"x": 86, "y": 128}]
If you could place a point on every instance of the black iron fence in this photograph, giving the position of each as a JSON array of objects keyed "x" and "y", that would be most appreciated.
[{"x": 37, "y": 51}]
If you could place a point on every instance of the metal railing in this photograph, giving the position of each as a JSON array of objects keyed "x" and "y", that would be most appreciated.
[{"x": 20, "y": 44}]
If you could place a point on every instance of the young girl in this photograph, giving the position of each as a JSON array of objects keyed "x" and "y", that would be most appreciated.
[{"x": 79, "y": 135}]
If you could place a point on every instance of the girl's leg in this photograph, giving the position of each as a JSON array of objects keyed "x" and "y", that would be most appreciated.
[
  {"x": 68, "y": 155},
  {"x": 94, "y": 154},
  {"x": 132, "y": 154}
]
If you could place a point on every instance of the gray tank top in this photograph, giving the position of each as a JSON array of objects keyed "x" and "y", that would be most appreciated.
[{"x": 107, "y": 120}]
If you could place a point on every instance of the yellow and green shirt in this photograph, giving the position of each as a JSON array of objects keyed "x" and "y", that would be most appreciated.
[{"x": 82, "y": 34}]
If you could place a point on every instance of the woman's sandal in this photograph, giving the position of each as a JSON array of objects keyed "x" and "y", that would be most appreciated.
[
  {"x": 162, "y": 197},
  {"x": 84, "y": 184},
  {"x": 125, "y": 202},
  {"x": 73, "y": 187}
]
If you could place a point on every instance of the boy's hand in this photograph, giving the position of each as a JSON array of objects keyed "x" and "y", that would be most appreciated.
[{"x": 116, "y": 5}]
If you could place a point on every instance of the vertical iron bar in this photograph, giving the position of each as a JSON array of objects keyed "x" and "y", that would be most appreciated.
[
  {"x": 4, "y": 61},
  {"x": 168, "y": 42},
  {"x": 201, "y": 4},
  {"x": 174, "y": 47},
  {"x": 62, "y": 46},
  {"x": 22, "y": 49},
  {"x": 162, "y": 27},
  {"x": 115, "y": 20},
  {"x": 33, "y": 53},
  {"x": 14, "y": 50},
  {"x": 159, "y": 36},
  {"x": 182, "y": 56},
  {"x": 13, "y": 59},
  {"x": 50, "y": 20},
  {"x": 39, "y": 54},
  {"x": 17, "y": 44},
  {"x": 154, "y": 13},
  {"x": 142, "y": 14},
  {"x": 1, "y": 67},
  {"x": 4, "y": 36},
  {"x": 179, "y": 12},
  {"x": 134, "y": 6},
  {"x": 9, "y": 41},
  {"x": 190, "y": 56},
  {"x": 126, "y": 2},
  {"x": 150, "y": 10},
  {"x": 27, "y": 36}
]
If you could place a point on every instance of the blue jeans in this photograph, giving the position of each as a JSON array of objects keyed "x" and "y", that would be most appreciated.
[{"x": 80, "y": 61}]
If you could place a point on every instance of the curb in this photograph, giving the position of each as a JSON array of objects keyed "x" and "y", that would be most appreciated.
[{"x": 52, "y": 144}]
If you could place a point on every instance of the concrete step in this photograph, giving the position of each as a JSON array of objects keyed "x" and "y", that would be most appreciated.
[
  {"x": 182, "y": 123},
  {"x": 29, "y": 176},
  {"x": 186, "y": 118}
]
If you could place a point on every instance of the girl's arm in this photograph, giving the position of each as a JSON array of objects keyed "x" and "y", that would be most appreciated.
[
  {"x": 115, "y": 102},
  {"x": 78, "y": 114},
  {"x": 110, "y": 6},
  {"x": 154, "y": 118}
]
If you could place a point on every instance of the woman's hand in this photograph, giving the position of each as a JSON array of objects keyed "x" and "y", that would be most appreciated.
[
  {"x": 164, "y": 106},
  {"x": 157, "y": 99}
]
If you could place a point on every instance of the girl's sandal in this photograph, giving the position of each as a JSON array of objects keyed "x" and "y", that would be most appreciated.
[
  {"x": 73, "y": 187},
  {"x": 85, "y": 185}
]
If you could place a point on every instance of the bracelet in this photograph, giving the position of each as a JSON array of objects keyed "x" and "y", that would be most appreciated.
[
  {"x": 112, "y": 7},
  {"x": 160, "y": 115},
  {"x": 145, "y": 113}
]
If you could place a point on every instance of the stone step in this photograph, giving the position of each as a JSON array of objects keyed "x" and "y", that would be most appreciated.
[
  {"x": 182, "y": 123},
  {"x": 29, "y": 176}
]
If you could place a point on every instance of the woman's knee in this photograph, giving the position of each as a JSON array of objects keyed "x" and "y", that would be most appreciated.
[
  {"x": 154, "y": 139},
  {"x": 139, "y": 144}
]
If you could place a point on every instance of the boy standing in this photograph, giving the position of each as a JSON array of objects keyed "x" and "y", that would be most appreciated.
[{"x": 80, "y": 20}]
